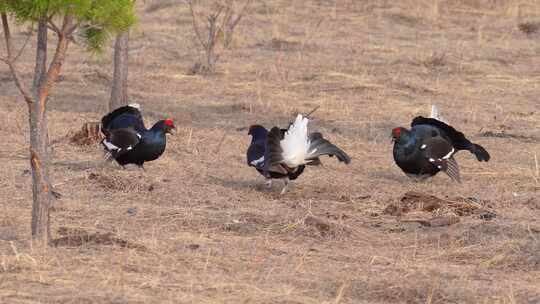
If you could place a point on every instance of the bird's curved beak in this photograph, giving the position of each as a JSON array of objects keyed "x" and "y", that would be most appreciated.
[{"x": 172, "y": 130}]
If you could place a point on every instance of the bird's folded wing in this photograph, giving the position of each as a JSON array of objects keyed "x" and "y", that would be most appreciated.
[
  {"x": 459, "y": 141},
  {"x": 439, "y": 152},
  {"x": 120, "y": 141},
  {"x": 256, "y": 155},
  {"x": 320, "y": 146}
]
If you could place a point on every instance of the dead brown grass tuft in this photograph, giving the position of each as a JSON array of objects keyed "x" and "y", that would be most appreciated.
[
  {"x": 529, "y": 28},
  {"x": 435, "y": 60},
  {"x": 119, "y": 182},
  {"x": 88, "y": 135},
  {"x": 75, "y": 237}
]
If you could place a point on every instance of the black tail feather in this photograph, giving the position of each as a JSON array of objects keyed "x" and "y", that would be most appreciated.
[
  {"x": 480, "y": 153},
  {"x": 324, "y": 147},
  {"x": 107, "y": 119},
  {"x": 296, "y": 173},
  {"x": 458, "y": 139}
]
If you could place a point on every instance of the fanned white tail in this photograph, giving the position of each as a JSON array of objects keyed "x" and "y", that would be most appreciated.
[
  {"x": 295, "y": 143},
  {"x": 435, "y": 114}
]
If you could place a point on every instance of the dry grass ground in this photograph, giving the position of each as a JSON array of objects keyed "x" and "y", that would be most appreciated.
[{"x": 196, "y": 227}]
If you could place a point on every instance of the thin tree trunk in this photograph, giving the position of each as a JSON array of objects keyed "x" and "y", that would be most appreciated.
[
  {"x": 36, "y": 99},
  {"x": 119, "y": 90},
  {"x": 44, "y": 78},
  {"x": 39, "y": 157}
]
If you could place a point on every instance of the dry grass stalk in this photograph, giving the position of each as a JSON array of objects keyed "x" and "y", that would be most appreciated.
[
  {"x": 435, "y": 60},
  {"x": 75, "y": 237}
]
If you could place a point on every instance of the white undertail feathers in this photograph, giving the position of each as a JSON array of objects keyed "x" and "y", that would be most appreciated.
[
  {"x": 295, "y": 143},
  {"x": 436, "y": 114},
  {"x": 135, "y": 105}
]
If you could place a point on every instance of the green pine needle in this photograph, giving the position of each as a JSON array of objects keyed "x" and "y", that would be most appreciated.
[{"x": 100, "y": 19}]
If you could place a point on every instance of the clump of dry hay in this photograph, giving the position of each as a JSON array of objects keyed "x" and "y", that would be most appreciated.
[
  {"x": 88, "y": 135},
  {"x": 116, "y": 182},
  {"x": 75, "y": 237},
  {"x": 316, "y": 227},
  {"x": 432, "y": 211},
  {"x": 529, "y": 28}
]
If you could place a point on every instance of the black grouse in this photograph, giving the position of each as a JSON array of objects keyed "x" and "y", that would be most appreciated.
[
  {"x": 128, "y": 141},
  {"x": 429, "y": 147},
  {"x": 284, "y": 153}
]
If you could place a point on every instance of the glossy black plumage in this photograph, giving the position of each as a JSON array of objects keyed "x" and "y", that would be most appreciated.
[
  {"x": 458, "y": 139},
  {"x": 127, "y": 139},
  {"x": 284, "y": 153},
  {"x": 429, "y": 147}
]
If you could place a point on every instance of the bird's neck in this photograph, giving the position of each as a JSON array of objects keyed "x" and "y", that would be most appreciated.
[
  {"x": 259, "y": 137},
  {"x": 157, "y": 128},
  {"x": 155, "y": 133},
  {"x": 408, "y": 143}
]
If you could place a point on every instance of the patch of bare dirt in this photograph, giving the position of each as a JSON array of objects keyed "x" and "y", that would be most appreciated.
[{"x": 119, "y": 182}]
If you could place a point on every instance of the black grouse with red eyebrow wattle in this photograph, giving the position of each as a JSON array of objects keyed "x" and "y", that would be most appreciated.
[
  {"x": 128, "y": 141},
  {"x": 429, "y": 147}
]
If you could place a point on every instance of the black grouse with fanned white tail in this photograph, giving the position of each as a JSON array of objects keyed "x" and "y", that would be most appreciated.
[
  {"x": 128, "y": 141},
  {"x": 429, "y": 147},
  {"x": 284, "y": 153}
]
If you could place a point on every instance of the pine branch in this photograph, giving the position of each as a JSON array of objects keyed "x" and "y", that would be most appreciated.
[
  {"x": 51, "y": 25},
  {"x": 7, "y": 36},
  {"x": 23, "y": 47},
  {"x": 10, "y": 61},
  {"x": 59, "y": 56}
]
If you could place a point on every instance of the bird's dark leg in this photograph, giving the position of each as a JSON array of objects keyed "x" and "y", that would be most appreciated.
[
  {"x": 142, "y": 167},
  {"x": 286, "y": 182}
]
